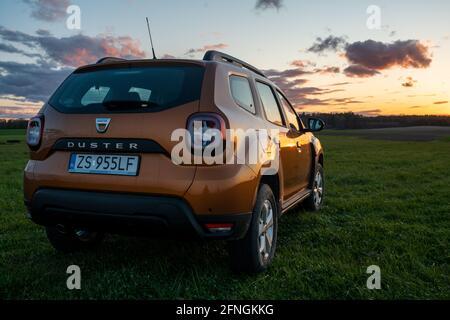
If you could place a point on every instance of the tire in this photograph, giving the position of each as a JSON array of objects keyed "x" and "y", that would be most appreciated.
[
  {"x": 69, "y": 240},
  {"x": 249, "y": 254},
  {"x": 315, "y": 201}
]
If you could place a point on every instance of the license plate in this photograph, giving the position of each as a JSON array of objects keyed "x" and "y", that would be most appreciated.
[{"x": 104, "y": 164}]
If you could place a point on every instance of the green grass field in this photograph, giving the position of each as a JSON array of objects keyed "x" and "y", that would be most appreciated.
[{"x": 388, "y": 204}]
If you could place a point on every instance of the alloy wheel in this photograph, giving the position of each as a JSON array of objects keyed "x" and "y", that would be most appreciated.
[
  {"x": 318, "y": 189},
  {"x": 265, "y": 239}
]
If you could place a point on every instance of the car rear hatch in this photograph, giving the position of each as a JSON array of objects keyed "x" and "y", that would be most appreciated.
[{"x": 124, "y": 110}]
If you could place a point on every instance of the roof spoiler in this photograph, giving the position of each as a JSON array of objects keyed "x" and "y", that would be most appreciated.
[
  {"x": 214, "y": 55},
  {"x": 110, "y": 60}
]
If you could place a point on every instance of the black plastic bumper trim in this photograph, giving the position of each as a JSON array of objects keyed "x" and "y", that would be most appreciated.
[{"x": 129, "y": 213}]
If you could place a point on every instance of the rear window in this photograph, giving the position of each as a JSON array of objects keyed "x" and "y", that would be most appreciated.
[{"x": 129, "y": 89}]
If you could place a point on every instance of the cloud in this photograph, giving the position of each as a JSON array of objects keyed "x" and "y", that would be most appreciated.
[
  {"x": 310, "y": 96},
  {"x": 11, "y": 49},
  {"x": 379, "y": 56},
  {"x": 368, "y": 58},
  {"x": 331, "y": 43},
  {"x": 315, "y": 91},
  {"x": 304, "y": 101},
  {"x": 20, "y": 100},
  {"x": 440, "y": 102},
  {"x": 287, "y": 85},
  {"x": 327, "y": 70},
  {"x": 288, "y": 81},
  {"x": 291, "y": 81},
  {"x": 167, "y": 56},
  {"x": 78, "y": 49},
  {"x": 269, "y": 4},
  {"x": 346, "y": 101},
  {"x": 302, "y": 63},
  {"x": 410, "y": 82},
  {"x": 299, "y": 70},
  {"x": 288, "y": 73},
  {"x": 48, "y": 10},
  {"x": 372, "y": 112},
  {"x": 304, "y": 96},
  {"x": 22, "y": 112},
  {"x": 207, "y": 47},
  {"x": 357, "y": 70},
  {"x": 17, "y": 36},
  {"x": 365, "y": 59},
  {"x": 422, "y": 95},
  {"x": 309, "y": 91},
  {"x": 35, "y": 82},
  {"x": 55, "y": 60},
  {"x": 43, "y": 32},
  {"x": 339, "y": 84}
]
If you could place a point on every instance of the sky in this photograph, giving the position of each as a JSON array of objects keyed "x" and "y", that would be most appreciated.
[{"x": 369, "y": 57}]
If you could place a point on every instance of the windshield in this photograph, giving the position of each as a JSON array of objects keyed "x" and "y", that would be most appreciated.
[{"x": 129, "y": 89}]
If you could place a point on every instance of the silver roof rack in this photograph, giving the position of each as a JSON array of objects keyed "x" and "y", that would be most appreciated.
[{"x": 213, "y": 55}]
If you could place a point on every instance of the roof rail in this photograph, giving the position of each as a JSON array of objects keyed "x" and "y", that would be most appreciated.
[
  {"x": 214, "y": 55},
  {"x": 110, "y": 59}
]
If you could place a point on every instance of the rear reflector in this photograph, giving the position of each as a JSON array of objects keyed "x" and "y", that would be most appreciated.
[{"x": 219, "y": 227}]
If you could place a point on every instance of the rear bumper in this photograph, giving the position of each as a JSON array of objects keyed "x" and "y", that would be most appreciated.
[{"x": 129, "y": 213}]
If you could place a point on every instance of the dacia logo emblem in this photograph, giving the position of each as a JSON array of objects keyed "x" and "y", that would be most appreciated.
[{"x": 102, "y": 124}]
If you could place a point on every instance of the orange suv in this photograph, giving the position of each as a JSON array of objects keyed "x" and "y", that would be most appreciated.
[{"x": 102, "y": 156}]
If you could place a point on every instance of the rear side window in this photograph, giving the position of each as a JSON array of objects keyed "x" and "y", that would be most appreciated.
[
  {"x": 269, "y": 103},
  {"x": 291, "y": 115},
  {"x": 128, "y": 89},
  {"x": 241, "y": 92}
]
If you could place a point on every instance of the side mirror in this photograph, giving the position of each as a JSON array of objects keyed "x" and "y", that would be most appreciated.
[
  {"x": 293, "y": 131},
  {"x": 293, "y": 128},
  {"x": 315, "y": 125}
]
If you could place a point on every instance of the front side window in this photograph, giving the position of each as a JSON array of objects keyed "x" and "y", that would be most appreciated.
[
  {"x": 269, "y": 103},
  {"x": 241, "y": 92},
  {"x": 128, "y": 89},
  {"x": 291, "y": 115}
]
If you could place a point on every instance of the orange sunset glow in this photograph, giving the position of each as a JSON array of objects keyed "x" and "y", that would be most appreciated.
[{"x": 370, "y": 59}]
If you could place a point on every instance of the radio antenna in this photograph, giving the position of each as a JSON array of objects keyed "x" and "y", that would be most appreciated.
[{"x": 151, "y": 40}]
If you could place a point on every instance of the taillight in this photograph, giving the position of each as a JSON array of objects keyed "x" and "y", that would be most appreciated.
[
  {"x": 35, "y": 131},
  {"x": 204, "y": 128}
]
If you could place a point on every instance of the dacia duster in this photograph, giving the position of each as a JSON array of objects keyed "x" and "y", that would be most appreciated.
[{"x": 101, "y": 159}]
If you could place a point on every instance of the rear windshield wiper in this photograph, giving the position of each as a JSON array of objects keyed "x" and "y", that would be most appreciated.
[{"x": 128, "y": 104}]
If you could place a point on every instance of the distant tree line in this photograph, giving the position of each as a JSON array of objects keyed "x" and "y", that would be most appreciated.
[
  {"x": 13, "y": 124},
  {"x": 351, "y": 120},
  {"x": 347, "y": 120}
]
